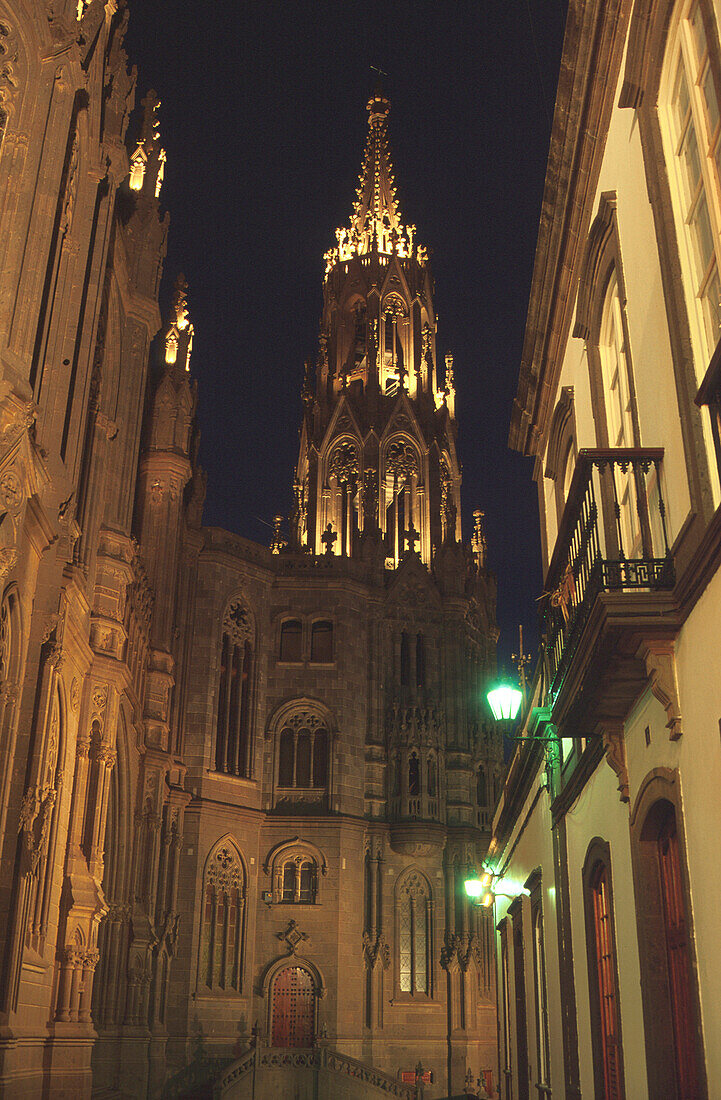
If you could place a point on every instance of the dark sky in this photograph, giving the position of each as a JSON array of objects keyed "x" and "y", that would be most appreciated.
[{"x": 263, "y": 119}]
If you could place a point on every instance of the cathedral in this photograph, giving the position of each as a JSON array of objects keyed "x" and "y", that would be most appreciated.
[{"x": 240, "y": 785}]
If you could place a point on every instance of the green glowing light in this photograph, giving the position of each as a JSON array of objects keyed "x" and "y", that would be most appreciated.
[
  {"x": 505, "y": 702},
  {"x": 474, "y": 887}
]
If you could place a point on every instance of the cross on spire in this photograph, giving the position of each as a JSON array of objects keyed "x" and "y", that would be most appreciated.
[{"x": 412, "y": 537}]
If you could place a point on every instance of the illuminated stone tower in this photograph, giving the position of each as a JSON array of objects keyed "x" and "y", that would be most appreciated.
[{"x": 378, "y": 470}]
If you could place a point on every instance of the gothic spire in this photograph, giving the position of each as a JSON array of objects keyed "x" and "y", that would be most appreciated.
[{"x": 375, "y": 223}]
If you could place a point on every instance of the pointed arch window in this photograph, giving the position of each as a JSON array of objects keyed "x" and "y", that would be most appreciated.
[
  {"x": 232, "y": 739},
  {"x": 221, "y": 944},
  {"x": 414, "y": 939}
]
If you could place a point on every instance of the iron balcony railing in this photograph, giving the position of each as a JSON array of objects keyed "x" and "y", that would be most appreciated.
[{"x": 612, "y": 537}]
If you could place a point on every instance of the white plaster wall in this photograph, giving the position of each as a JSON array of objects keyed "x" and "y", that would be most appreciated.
[{"x": 534, "y": 851}]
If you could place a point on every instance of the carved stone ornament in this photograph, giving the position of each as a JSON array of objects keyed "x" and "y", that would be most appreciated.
[
  {"x": 292, "y": 936},
  {"x": 225, "y": 872},
  {"x": 237, "y": 623},
  {"x": 11, "y": 491},
  {"x": 74, "y": 694},
  {"x": 660, "y": 661},
  {"x": 8, "y": 58},
  {"x": 401, "y": 462},
  {"x": 614, "y": 745},
  {"x": 344, "y": 463}
]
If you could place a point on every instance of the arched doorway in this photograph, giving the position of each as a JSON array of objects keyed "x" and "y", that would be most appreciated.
[{"x": 293, "y": 1008}]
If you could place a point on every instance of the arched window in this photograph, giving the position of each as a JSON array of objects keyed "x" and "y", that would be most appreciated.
[
  {"x": 295, "y": 867},
  {"x": 291, "y": 640},
  {"x": 414, "y": 939},
  {"x": 221, "y": 943},
  {"x": 321, "y": 642},
  {"x": 303, "y": 746},
  {"x": 561, "y": 451},
  {"x": 481, "y": 787},
  {"x": 420, "y": 661},
  {"x": 414, "y": 775},
  {"x": 431, "y": 775},
  {"x": 603, "y": 973},
  {"x": 618, "y": 404},
  {"x": 693, "y": 150},
  {"x": 232, "y": 739}
]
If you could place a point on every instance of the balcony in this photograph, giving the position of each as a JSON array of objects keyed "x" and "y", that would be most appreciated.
[{"x": 610, "y": 576}]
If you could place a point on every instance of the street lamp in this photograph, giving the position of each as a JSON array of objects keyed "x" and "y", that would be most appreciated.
[{"x": 505, "y": 702}]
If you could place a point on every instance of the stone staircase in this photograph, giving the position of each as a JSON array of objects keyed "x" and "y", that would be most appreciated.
[{"x": 268, "y": 1073}]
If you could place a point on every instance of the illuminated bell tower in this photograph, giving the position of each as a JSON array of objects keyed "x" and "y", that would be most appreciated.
[{"x": 377, "y": 473}]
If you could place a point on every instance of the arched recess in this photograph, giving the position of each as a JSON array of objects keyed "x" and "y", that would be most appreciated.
[
  {"x": 675, "y": 1061},
  {"x": 304, "y": 734},
  {"x": 402, "y": 495},
  {"x": 222, "y": 920},
  {"x": 340, "y": 491},
  {"x": 233, "y": 748},
  {"x": 109, "y": 988}
]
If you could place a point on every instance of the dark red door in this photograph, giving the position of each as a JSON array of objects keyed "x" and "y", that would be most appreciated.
[
  {"x": 677, "y": 953},
  {"x": 293, "y": 1008}
]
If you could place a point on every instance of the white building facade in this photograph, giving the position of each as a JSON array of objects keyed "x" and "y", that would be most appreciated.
[{"x": 606, "y": 832}]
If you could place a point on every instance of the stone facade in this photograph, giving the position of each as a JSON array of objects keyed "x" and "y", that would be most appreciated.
[{"x": 240, "y": 785}]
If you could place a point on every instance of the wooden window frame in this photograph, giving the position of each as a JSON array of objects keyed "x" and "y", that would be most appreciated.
[{"x": 598, "y": 861}]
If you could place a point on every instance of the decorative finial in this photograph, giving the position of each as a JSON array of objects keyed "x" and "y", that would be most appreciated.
[
  {"x": 478, "y": 539},
  {"x": 279, "y": 541},
  {"x": 147, "y": 164},
  {"x": 450, "y": 380},
  {"x": 179, "y": 334},
  {"x": 522, "y": 659}
]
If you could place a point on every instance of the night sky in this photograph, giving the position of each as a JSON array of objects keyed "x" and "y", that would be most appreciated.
[{"x": 263, "y": 120}]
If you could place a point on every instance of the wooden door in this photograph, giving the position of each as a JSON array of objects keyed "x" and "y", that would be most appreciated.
[{"x": 293, "y": 1008}]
